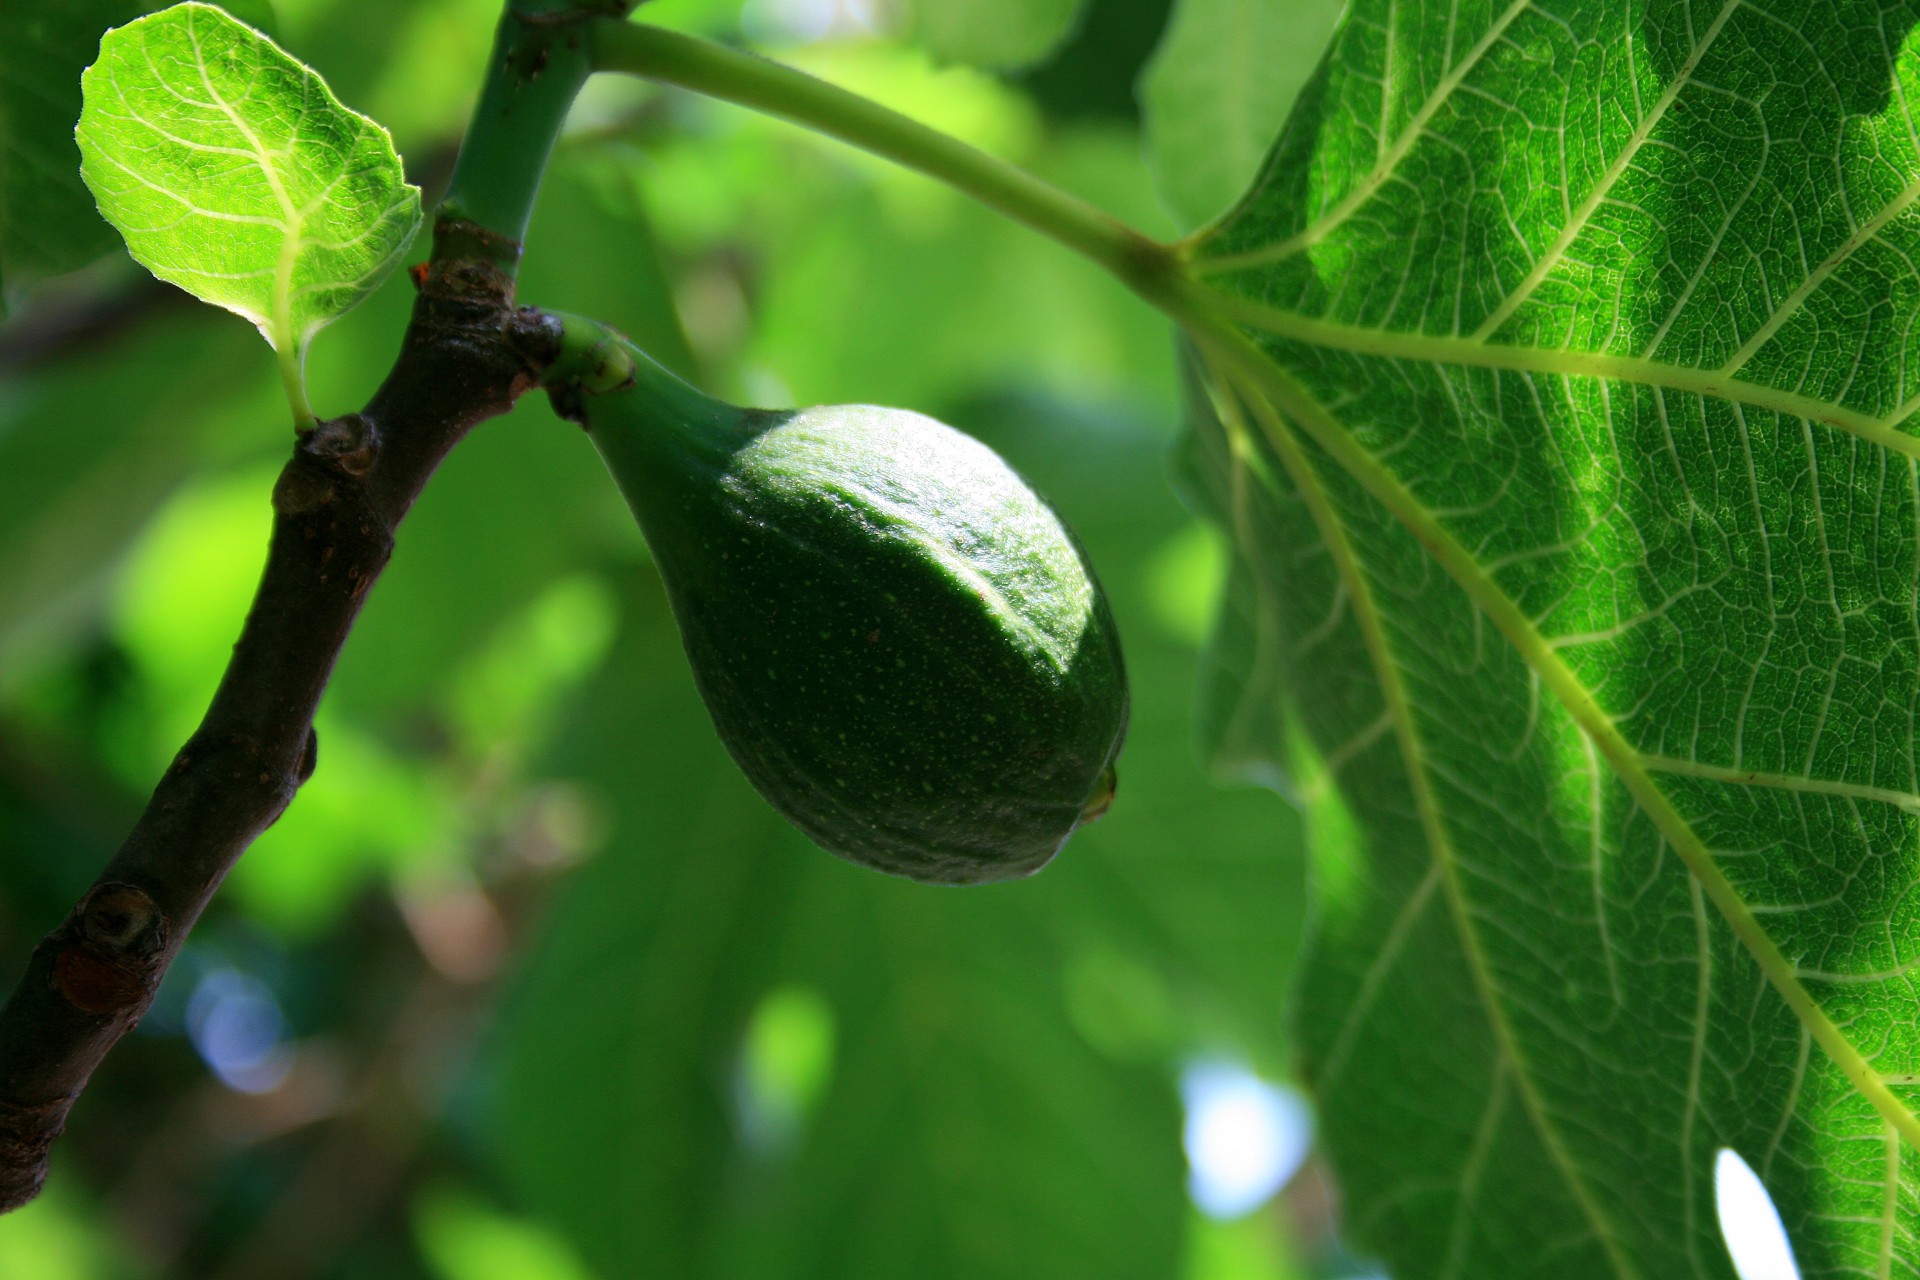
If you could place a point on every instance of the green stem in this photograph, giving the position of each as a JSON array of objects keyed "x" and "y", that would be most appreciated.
[
  {"x": 1142, "y": 263},
  {"x": 592, "y": 358},
  {"x": 538, "y": 64},
  {"x": 293, "y": 378}
]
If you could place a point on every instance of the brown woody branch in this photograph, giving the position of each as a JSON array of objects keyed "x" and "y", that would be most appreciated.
[{"x": 467, "y": 355}]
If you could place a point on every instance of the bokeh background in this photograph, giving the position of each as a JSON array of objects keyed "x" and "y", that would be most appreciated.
[{"x": 528, "y": 984}]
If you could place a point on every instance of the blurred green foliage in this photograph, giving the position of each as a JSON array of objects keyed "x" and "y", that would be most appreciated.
[
  {"x": 1219, "y": 88},
  {"x": 562, "y": 998}
]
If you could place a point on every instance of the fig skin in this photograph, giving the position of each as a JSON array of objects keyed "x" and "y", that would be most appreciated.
[{"x": 900, "y": 643}]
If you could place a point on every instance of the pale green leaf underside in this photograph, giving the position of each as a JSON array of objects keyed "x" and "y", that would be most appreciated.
[
  {"x": 233, "y": 172},
  {"x": 1217, "y": 90},
  {"x": 1565, "y": 363},
  {"x": 992, "y": 33}
]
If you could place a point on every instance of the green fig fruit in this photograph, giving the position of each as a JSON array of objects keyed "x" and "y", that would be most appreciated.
[{"x": 899, "y": 641}]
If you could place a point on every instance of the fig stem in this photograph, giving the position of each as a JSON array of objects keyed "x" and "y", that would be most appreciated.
[{"x": 593, "y": 357}]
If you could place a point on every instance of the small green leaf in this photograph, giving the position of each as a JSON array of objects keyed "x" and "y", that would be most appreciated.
[{"x": 233, "y": 172}]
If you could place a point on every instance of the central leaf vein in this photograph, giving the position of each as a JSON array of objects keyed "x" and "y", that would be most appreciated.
[
  {"x": 1415, "y": 762},
  {"x": 290, "y": 247},
  {"x": 1269, "y": 384}
]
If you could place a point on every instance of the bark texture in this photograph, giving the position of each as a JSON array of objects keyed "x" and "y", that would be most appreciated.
[{"x": 467, "y": 355}]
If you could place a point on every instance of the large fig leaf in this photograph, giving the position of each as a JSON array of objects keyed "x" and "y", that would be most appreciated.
[{"x": 1563, "y": 369}]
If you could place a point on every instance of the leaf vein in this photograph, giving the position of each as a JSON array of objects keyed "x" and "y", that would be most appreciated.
[
  {"x": 1446, "y": 863},
  {"x": 1262, "y": 376},
  {"x": 1621, "y": 163},
  {"x": 1364, "y": 189},
  {"x": 1437, "y": 349}
]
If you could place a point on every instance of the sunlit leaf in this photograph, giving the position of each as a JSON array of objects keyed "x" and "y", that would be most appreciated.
[
  {"x": 233, "y": 172},
  {"x": 1564, "y": 402}
]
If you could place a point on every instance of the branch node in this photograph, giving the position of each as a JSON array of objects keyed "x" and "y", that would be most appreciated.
[
  {"x": 28, "y": 1131},
  {"x": 470, "y": 259},
  {"x": 535, "y": 337},
  {"x": 310, "y": 758},
  {"x": 302, "y": 490},
  {"x": 114, "y": 939},
  {"x": 350, "y": 443}
]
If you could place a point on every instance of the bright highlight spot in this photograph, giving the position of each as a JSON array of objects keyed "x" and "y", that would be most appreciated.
[
  {"x": 1754, "y": 1234},
  {"x": 465, "y": 1239},
  {"x": 806, "y": 20},
  {"x": 1185, "y": 577},
  {"x": 54, "y": 1238},
  {"x": 786, "y": 1062},
  {"x": 236, "y": 1024},
  {"x": 1245, "y": 1138}
]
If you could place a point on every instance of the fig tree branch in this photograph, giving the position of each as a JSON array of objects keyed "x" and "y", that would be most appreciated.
[{"x": 467, "y": 354}]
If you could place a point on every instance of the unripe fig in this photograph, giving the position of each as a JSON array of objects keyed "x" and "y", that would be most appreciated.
[{"x": 899, "y": 641}]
